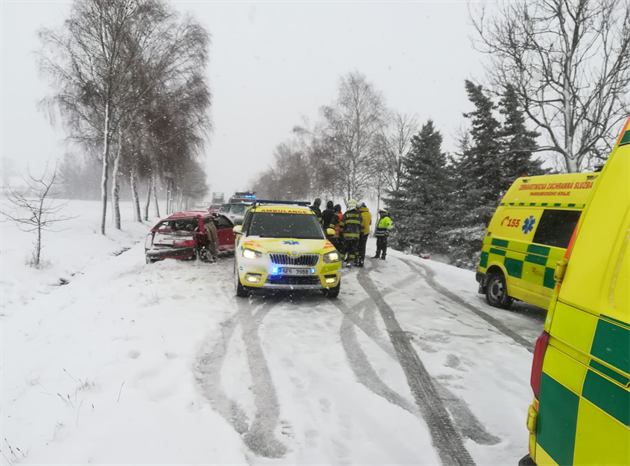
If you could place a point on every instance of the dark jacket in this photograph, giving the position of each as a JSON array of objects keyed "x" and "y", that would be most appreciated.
[{"x": 327, "y": 214}]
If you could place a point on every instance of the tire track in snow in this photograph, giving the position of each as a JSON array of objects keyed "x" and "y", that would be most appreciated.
[
  {"x": 259, "y": 438},
  {"x": 465, "y": 420},
  {"x": 445, "y": 437},
  {"x": 429, "y": 277}
]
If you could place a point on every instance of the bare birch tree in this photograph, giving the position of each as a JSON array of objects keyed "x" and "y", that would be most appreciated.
[
  {"x": 568, "y": 61},
  {"x": 353, "y": 125},
  {"x": 395, "y": 143},
  {"x": 35, "y": 209}
]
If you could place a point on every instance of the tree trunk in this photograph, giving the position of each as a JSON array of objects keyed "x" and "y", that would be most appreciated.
[
  {"x": 156, "y": 204},
  {"x": 105, "y": 175},
  {"x": 38, "y": 244},
  {"x": 116, "y": 186},
  {"x": 137, "y": 216},
  {"x": 148, "y": 203},
  {"x": 168, "y": 197},
  {"x": 572, "y": 165}
]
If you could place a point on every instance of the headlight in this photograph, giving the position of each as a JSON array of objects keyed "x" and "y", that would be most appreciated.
[
  {"x": 251, "y": 254},
  {"x": 331, "y": 257}
]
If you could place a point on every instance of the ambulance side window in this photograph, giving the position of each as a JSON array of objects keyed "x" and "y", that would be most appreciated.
[{"x": 556, "y": 228}]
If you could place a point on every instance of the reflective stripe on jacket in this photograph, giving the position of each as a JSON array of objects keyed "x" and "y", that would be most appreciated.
[
  {"x": 383, "y": 226},
  {"x": 352, "y": 224},
  {"x": 367, "y": 219}
]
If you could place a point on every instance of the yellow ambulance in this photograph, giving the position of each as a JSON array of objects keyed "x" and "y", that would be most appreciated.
[
  {"x": 282, "y": 246},
  {"x": 528, "y": 235},
  {"x": 581, "y": 369}
]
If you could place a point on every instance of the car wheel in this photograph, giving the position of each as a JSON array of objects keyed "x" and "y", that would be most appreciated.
[
  {"x": 203, "y": 255},
  {"x": 333, "y": 292},
  {"x": 241, "y": 291},
  {"x": 496, "y": 292}
]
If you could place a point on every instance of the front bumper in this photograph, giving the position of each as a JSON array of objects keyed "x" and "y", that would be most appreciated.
[
  {"x": 260, "y": 269},
  {"x": 174, "y": 253},
  {"x": 482, "y": 280}
]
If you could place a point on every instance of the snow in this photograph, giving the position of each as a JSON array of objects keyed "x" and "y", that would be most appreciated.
[{"x": 132, "y": 363}]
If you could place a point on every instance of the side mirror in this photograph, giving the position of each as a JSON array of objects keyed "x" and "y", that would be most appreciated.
[
  {"x": 330, "y": 232},
  {"x": 238, "y": 229}
]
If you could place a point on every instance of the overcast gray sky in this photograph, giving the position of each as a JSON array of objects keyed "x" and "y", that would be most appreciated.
[{"x": 271, "y": 64}]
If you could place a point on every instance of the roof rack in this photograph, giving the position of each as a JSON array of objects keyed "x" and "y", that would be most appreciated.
[{"x": 263, "y": 201}]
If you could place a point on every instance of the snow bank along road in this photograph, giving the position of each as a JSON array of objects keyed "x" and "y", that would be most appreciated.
[{"x": 161, "y": 364}]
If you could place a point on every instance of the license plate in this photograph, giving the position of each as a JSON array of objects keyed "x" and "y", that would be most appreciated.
[{"x": 290, "y": 271}]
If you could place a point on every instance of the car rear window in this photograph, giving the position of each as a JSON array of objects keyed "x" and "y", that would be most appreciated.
[
  {"x": 556, "y": 228},
  {"x": 276, "y": 225}
]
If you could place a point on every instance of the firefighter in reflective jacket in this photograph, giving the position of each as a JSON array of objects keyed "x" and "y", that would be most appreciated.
[
  {"x": 383, "y": 227},
  {"x": 351, "y": 228},
  {"x": 335, "y": 224}
]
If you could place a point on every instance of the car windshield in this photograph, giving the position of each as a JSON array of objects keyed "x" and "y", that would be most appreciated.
[
  {"x": 238, "y": 209},
  {"x": 275, "y": 225},
  {"x": 225, "y": 208}
]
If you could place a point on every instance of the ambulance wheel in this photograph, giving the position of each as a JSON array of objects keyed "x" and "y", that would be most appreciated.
[
  {"x": 241, "y": 291},
  {"x": 333, "y": 292},
  {"x": 496, "y": 292}
]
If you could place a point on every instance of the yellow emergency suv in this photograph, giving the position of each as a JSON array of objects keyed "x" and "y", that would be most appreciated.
[
  {"x": 282, "y": 246},
  {"x": 581, "y": 369},
  {"x": 528, "y": 234}
]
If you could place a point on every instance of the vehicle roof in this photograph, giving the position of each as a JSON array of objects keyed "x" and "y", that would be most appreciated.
[
  {"x": 282, "y": 209},
  {"x": 568, "y": 188},
  {"x": 190, "y": 214}
]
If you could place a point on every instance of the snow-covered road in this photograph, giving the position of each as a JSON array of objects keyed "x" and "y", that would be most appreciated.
[{"x": 160, "y": 364}]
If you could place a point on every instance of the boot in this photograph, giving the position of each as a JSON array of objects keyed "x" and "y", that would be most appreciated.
[
  {"x": 383, "y": 258},
  {"x": 348, "y": 265},
  {"x": 376, "y": 257}
]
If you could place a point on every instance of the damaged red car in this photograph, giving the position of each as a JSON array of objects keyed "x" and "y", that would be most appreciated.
[{"x": 183, "y": 236}]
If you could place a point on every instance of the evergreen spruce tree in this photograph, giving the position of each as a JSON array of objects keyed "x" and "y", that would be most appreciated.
[
  {"x": 518, "y": 142},
  {"x": 418, "y": 210},
  {"x": 481, "y": 165}
]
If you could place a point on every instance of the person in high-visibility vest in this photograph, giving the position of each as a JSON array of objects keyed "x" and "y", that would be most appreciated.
[
  {"x": 383, "y": 228},
  {"x": 351, "y": 228},
  {"x": 335, "y": 224}
]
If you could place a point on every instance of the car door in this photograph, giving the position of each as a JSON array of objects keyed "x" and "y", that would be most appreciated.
[{"x": 225, "y": 233}]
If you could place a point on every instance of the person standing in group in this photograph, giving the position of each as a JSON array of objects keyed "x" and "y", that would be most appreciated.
[
  {"x": 383, "y": 227},
  {"x": 351, "y": 228},
  {"x": 365, "y": 233},
  {"x": 315, "y": 208},
  {"x": 213, "y": 239},
  {"x": 328, "y": 214},
  {"x": 335, "y": 224}
]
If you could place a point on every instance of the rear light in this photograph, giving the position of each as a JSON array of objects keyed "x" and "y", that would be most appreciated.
[{"x": 537, "y": 365}]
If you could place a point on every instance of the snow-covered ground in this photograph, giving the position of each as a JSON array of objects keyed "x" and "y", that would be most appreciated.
[{"x": 131, "y": 363}]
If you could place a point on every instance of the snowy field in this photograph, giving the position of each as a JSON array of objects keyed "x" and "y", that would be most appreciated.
[{"x": 131, "y": 363}]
